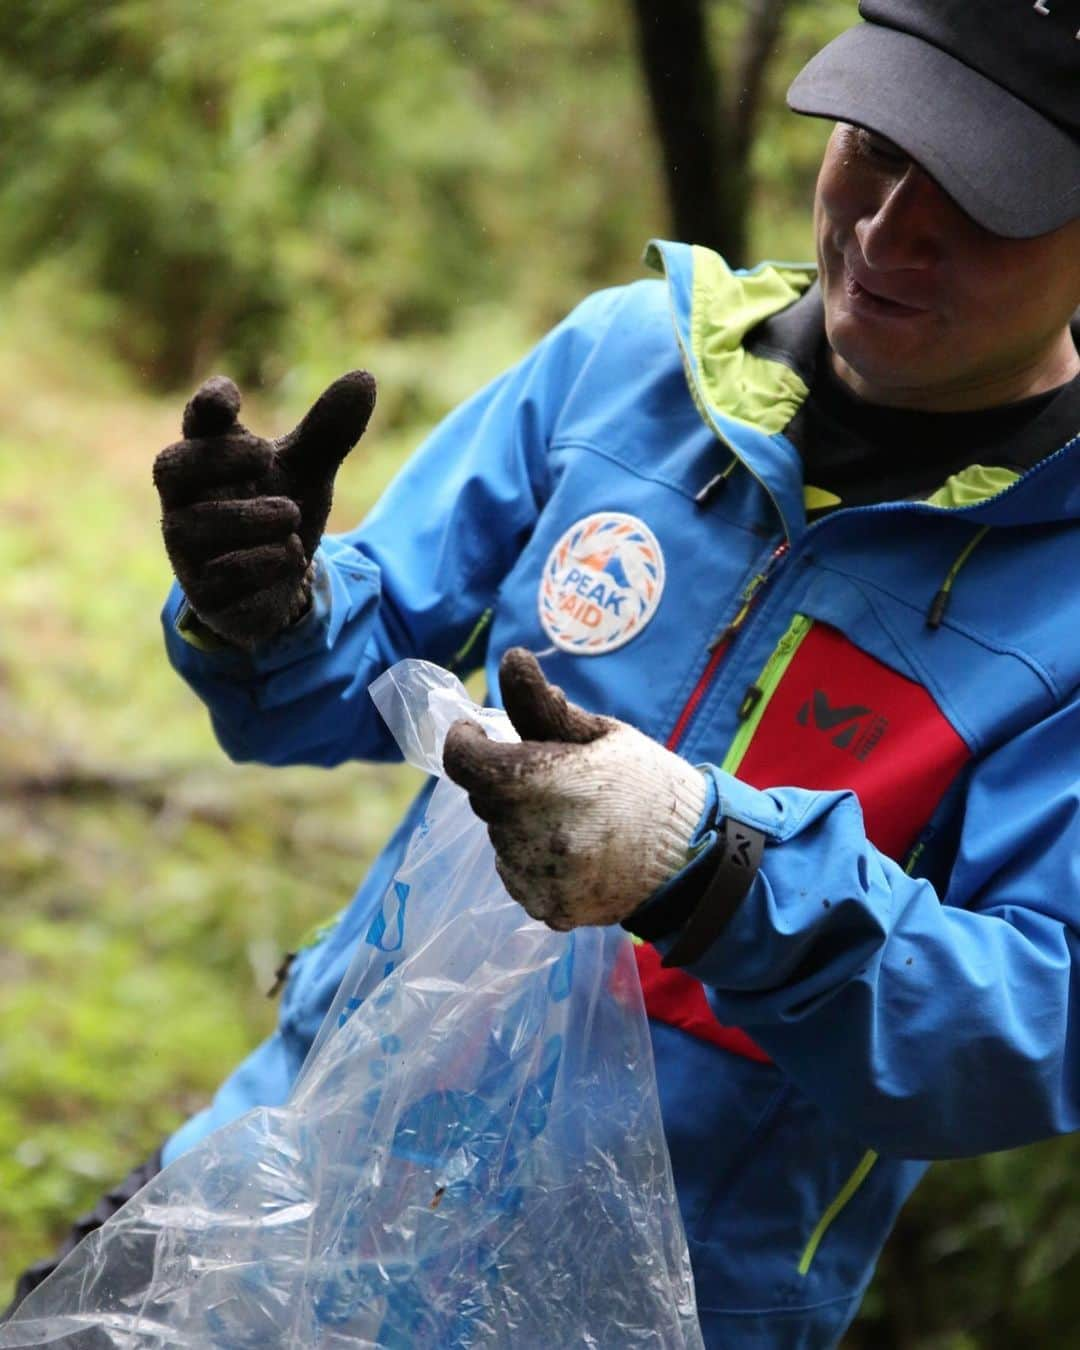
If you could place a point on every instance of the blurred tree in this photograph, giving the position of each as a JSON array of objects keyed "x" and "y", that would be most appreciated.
[
  {"x": 238, "y": 179},
  {"x": 706, "y": 113},
  {"x": 259, "y": 183}
]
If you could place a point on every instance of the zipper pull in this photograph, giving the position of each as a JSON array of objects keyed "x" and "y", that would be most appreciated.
[
  {"x": 716, "y": 484},
  {"x": 712, "y": 489},
  {"x": 918, "y": 849},
  {"x": 800, "y": 626},
  {"x": 780, "y": 552},
  {"x": 751, "y": 699},
  {"x": 748, "y": 597}
]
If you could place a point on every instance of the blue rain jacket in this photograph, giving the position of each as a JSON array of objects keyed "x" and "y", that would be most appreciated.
[{"x": 900, "y": 983}]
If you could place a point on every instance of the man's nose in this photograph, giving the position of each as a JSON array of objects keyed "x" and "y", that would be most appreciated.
[{"x": 905, "y": 230}]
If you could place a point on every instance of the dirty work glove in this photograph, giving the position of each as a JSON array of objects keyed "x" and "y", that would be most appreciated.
[
  {"x": 587, "y": 816},
  {"x": 242, "y": 516}
]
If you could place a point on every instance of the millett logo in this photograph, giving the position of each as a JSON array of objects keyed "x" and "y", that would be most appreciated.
[{"x": 858, "y": 729}]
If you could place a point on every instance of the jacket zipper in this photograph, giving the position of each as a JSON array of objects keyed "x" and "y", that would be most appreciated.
[
  {"x": 719, "y": 647},
  {"x": 758, "y": 695},
  {"x": 751, "y": 711}
]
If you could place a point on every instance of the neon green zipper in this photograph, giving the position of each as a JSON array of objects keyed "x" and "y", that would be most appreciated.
[
  {"x": 862, "y": 1171},
  {"x": 758, "y": 696}
]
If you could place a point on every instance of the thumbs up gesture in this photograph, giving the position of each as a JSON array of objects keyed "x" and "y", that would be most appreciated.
[{"x": 242, "y": 516}]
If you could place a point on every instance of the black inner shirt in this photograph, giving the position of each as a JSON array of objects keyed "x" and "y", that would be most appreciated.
[{"x": 861, "y": 453}]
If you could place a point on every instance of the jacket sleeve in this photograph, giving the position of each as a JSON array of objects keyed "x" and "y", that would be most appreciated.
[
  {"x": 930, "y": 1025},
  {"x": 413, "y": 579}
]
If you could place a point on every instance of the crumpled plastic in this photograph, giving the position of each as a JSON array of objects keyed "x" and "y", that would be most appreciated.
[{"x": 472, "y": 1156}]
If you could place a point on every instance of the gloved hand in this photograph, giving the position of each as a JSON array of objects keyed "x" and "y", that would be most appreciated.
[
  {"x": 242, "y": 516},
  {"x": 587, "y": 816}
]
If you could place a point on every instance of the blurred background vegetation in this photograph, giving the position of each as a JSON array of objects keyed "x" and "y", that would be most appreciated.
[{"x": 282, "y": 190}]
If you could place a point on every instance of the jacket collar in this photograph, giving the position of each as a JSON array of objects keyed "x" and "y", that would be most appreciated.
[
  {"x": 748, "y": 342},
  {"x": 746, "y": 398}
]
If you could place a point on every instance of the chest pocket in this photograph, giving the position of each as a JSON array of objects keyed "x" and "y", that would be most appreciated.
[
  {"x": 826, "y": 715},
  {"x": 823, "y": 714}
]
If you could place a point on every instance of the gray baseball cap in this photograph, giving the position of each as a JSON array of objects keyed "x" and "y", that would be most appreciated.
[{"x": 985, "y": 96}]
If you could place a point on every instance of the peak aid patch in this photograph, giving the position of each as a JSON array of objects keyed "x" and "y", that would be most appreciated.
[{"x": 601, "y": 584}]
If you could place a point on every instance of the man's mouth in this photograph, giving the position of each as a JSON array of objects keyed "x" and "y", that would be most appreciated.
[{"x": 874, "y": 302}]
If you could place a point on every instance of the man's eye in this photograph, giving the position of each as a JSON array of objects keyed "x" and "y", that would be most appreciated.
[{"x": 880, "y": 149}]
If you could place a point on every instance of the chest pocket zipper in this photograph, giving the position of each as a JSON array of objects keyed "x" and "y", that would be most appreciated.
[{"x": 756, "y": 699}]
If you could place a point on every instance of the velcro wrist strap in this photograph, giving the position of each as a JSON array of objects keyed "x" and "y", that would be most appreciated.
[{"x": 740, "y": 849}]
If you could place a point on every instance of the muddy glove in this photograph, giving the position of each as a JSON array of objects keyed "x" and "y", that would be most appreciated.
[
  {"x": 587, "y": 816},
  {"x": 242, "y": 516}
]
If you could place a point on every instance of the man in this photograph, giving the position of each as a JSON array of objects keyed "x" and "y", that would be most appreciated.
[{"x": 803, "y": 545}]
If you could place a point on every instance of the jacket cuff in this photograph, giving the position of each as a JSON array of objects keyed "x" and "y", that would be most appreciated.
[
  {"x": 695, "y": 906},
  {"x": 671, "y": 904},
  {"x": 306, "y": 631},
  {"x": 739, "y": 853}
]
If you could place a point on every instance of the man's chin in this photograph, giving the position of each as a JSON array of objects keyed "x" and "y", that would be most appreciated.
[{"x": 874, "y": 364}]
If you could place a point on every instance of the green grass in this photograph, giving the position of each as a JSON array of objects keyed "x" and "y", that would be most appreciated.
[{"x": 149, "y": 887}]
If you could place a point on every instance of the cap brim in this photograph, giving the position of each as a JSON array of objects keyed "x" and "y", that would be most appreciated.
[{"x": 1007, "y": 166}]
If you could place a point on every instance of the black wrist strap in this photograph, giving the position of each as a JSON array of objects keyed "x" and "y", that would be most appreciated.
[{"x": 740, "y": 848}]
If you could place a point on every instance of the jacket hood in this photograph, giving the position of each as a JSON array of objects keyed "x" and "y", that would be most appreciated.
[{"x": 748, "y": 351}]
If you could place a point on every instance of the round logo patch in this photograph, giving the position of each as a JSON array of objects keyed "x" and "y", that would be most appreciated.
[{"x": 601, "y": 584}]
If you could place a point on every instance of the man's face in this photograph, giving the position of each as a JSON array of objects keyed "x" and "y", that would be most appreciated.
[{"x": 923, "y": 307}]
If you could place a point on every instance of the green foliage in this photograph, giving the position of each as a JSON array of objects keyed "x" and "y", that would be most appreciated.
[
  {"x": 983, "y": 1258},
  {"x": 150, "y": 888},
  {"x": 243, "y": 179},
  {"x": 259, "y": 184},
  {"x": 788, "y": 149}
]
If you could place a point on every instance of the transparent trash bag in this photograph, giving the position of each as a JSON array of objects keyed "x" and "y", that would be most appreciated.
[{"x": 472, "y": 1157}]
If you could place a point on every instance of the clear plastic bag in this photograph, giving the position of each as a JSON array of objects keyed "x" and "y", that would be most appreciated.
[{"x": 472, "y": 1157}]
